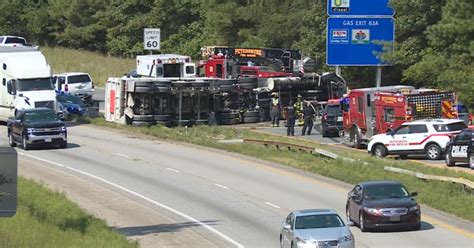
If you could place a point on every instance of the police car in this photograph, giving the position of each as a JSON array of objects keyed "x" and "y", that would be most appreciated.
[
  {"x": 417, "y": 137},
  {"x": 461, "y": 148}
]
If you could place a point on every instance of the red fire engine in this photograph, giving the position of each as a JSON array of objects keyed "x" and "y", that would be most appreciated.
[{"x": 371, "y": 111}]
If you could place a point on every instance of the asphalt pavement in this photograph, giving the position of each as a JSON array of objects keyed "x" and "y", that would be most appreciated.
[{"x": 230, "y": 199}]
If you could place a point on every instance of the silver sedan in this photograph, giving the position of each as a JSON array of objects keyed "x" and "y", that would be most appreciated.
[{"x": 321, "y": 228}]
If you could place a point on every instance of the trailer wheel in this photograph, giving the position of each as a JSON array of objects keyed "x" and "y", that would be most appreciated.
[
  {"x": 251, "y": 119},
  {"x": 228, "y": 115},
  {"x": 228, "y": 121},
  {"x": 142, "y": 123},
  {"x": 251, "y": 114},
  {"x": 162, "y": 117},
  {"x": 143, "y": 118},
  {"x": 143, "y": 89}
]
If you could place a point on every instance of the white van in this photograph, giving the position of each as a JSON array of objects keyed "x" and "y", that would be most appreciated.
[
  {"x": 25, "y": 80},
  {"x": 76, "y": 83}
]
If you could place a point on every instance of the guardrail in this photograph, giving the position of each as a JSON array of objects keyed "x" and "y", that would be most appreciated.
[
  {"x": 294, "y": 147},
  {"x": 301, "y": 148},
  {"x": 462, "y": 181}
]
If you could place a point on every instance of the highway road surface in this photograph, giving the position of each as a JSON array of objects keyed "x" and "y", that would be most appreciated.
[{"x": 214, "y": 197}]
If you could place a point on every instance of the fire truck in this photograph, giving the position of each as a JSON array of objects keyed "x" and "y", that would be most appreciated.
[{"x": 371, "y": 111}]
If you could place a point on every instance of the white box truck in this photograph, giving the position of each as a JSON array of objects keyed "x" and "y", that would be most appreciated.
[{"x": 25, "y": 81}]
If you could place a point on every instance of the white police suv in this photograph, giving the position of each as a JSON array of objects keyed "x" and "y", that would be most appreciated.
[{"x": 417, "y": 137}]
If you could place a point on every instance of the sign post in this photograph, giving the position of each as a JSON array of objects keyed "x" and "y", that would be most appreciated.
[
  {"x": 357, "y": 30},
  {"x": 151, "y": 39}
]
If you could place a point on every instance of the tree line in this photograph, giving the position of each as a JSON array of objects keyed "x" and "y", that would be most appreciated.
[{"x": 434, "y": 38}]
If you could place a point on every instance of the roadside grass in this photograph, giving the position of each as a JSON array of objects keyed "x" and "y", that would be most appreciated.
[
  {"x": 100, "y": 67},
  {"x": 448, "y": 197},
  {"x": 48, "y": 219}
]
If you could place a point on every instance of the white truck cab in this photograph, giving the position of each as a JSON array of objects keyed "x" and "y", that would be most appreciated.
[
  {"x": 25, "y": 79},
  {"x": 417, "y": 137},
  {"x": 170, "y": 66}
]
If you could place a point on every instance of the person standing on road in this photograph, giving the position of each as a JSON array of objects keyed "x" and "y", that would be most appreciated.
[
  {"x": 275, "y": 111},
  {"x": 290, "y": 119},
  {"x": 299, "y": 107},
  {"x": 308, "y": 114}
]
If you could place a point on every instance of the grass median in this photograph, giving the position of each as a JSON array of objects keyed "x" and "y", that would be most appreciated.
[
  {"x": 47, "y": 219},
  {"x": 448, "y": 197}
]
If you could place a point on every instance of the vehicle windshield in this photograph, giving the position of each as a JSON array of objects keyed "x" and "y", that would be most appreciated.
[
  {"x": 318, "y": 221},
  {"x": 15, "y": 40},
  {"x": 79, "y": 79},
  {"x": 457, "y": 126},
  {"x": 34, "y": 84},
  {"x": 333, "y": 109},
  {"x": 40, "y": 116},
  {"x": 381, "y": 191},
  {"x": 69, "y": 99}
]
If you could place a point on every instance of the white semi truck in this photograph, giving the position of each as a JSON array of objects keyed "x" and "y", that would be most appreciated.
[{"x": 25, "y": 81}]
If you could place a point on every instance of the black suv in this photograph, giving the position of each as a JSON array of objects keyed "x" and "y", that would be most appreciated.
[
  {"x": 37, "y": 126},
  {"x": 331, "y": 118},
  {"x": 461, "y": 148}
]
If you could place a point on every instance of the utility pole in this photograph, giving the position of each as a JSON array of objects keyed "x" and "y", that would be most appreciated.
[{"x": 378, "y": 77}]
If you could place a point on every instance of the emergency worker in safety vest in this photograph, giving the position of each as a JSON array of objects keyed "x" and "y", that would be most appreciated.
[
  {"x": 275, "y": 110},
  {"x": 299, "y": 107}
]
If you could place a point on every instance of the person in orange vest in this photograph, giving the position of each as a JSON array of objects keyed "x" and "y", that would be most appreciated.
[{"x": 275, "y": 110}]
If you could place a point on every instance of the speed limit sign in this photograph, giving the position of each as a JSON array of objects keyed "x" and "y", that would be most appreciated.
[{"x": 151, "y": 38}]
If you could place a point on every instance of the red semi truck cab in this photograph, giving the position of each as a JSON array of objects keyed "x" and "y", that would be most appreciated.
[{"x": 372, "y": 111}]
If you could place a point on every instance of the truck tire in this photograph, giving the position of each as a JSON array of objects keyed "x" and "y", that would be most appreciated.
[
  {"x": 143, "y": 118},
  {"x": 251, "y": 119},
  {"x": 164, "y": 118},
  {"x": 11, "y": 142},
  {"x": 355, "y": 137},
  {"x": 26, "y": 147},
  {"x": 228, "y": 121},
  {"x": 433, "y": 151},
  {"x": 146, "y": 89},
  {"x": 228, "y": 115},
  {"x": 142, "y": 123},
  {"x": 251, "y": 114}
]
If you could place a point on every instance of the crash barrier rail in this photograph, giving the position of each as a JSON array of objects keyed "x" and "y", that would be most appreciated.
[
  {"x": 294, "y": 147},
  {"x": 301, "y": 148},
  {"x": 462, "y": 181}
]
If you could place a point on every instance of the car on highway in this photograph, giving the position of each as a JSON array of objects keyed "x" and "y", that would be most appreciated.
[
  {"x": 331, "y": 118},
  {"x": 76, "y": 83},
  {"x": 70, "y": 105},
  {"x": 315, "y": 228},
  {"x": 382, "y": 204},
  {"x": 36, "y": 126},
  {"x": 427, "y": 137},
  {"x": 8, "y": 40},
  {"x": 461, "y": 149}
]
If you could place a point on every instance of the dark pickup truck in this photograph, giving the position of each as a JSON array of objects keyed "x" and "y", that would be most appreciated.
[{"x": 38, "y": 126}]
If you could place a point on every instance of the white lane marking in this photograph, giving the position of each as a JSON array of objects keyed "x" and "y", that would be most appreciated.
[
  {"x": 221, "y": 186},
  {"x": 272, "y": 205},
  {"x": 211, "y": 229},
  {"x": 122, "y": 155},
  {"x": 173, "y": 170}
]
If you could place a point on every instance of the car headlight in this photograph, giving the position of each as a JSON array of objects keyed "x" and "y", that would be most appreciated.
[
  {"x": 373, "y": 211},
  {"x": 63, "y": 129},
  {"x": 414, "y": 208},
  {"x": 30, "y": 130},
  {"x": 301, "y": 240},
  {"x": 347, "y": 238}
]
